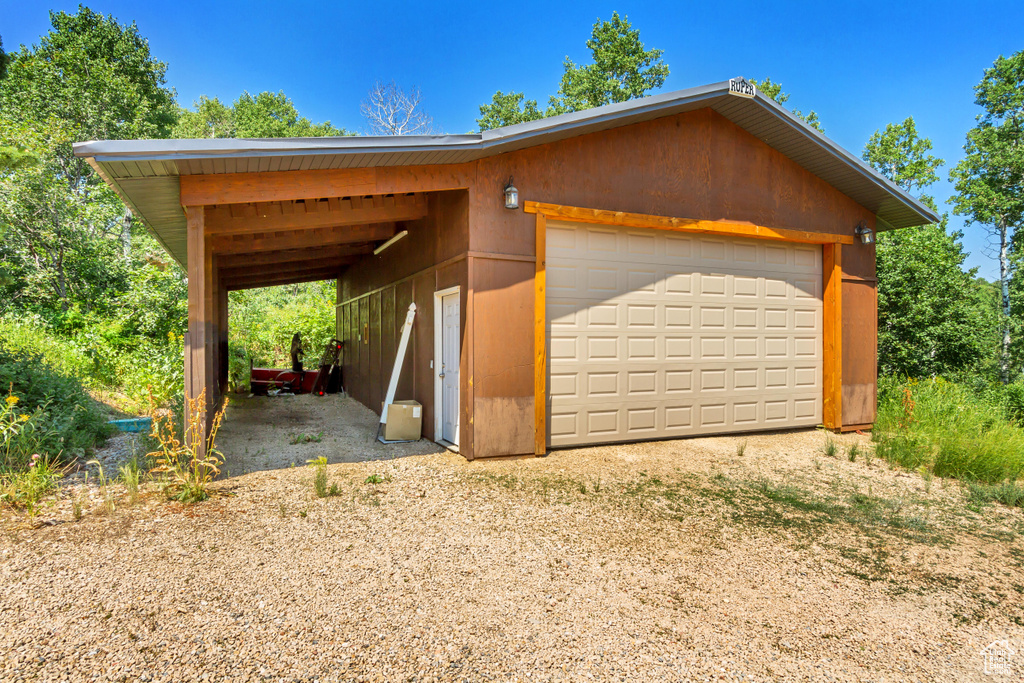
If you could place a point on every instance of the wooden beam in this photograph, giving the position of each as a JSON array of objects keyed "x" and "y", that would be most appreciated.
[
  {"x": 280, "y": 282},
  {"x": 316, "y": 214},
  {"x": 832, "y": 337},
  {"x": 639, "y": 220},
  {"x": 302, "y": 239},
  {"x": 271, "y": 270},
  {"x": 310, "y": 275},
  {"x": 291, "y": 255},
  {"x": 540, "y": 338},
  {"x": 255, "y": 282},
  {"x": 239, "y": 188},
  {"x": 236, "y": 275}
]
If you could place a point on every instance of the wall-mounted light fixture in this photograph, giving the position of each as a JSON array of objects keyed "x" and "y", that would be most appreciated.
[
  {"x": 866, "y": 234},
  {"x": 511, "y": 195},
  {"x": 390, "y": 242}
]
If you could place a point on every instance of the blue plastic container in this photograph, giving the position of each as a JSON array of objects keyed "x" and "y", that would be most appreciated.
[{"x": 134, "y": 424}]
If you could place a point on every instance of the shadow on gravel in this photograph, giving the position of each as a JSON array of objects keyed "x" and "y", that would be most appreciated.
[{"x": 272, "y": 432}]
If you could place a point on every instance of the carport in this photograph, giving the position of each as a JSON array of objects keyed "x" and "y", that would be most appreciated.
[{"x": 250, "y": 244}]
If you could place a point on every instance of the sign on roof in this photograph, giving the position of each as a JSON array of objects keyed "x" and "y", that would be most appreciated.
[{"x": 741, "y": 87}]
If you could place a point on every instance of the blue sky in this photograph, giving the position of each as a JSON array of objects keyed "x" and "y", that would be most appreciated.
[{"x": 860, "y": 65}]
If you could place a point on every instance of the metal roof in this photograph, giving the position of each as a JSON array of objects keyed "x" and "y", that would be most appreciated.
[{"x": 145, "y": 172}]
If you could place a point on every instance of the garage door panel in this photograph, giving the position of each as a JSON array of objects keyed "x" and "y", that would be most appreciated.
[
  {"x": 599, "y": 346},
  {"x": 649, "y": 247},
  {"x": 656, "y": 334},
  {"x": 635, "y": 314},
  {"x": 562, "y": 280},
  {"x": 564, "y": 315},
  {"x": 579, "y": 283},
  {"x": 562, "y": 236},
  {"x": 610, "y": 382},
  {"x": 604, "y": 422}
]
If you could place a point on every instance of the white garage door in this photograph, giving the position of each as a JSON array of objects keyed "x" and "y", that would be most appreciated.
[{"x": 657, "y": 334}]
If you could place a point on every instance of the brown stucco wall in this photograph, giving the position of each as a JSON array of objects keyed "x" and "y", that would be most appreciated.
[
  {"x": 374, "y": 297},
  {"x": 694, "y": 165},
  {"x": 503, "y": 358}
]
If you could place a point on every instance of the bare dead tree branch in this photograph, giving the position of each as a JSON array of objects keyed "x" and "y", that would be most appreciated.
[{"x": 389, "y": 110}]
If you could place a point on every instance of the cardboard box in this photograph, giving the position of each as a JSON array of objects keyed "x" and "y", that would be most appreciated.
[{"x": 404, "y": 423}]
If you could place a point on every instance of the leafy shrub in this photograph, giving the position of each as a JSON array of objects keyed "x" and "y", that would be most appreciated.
[
  {"x": 1008, "y": 493},
  {"x": 153, "y": 372},
  {"x": 301, "y": 438},
  {"x": 1009, "y": 397},
  {"x": 949, "y": 429},
  {"x": 319, "y": 466},
  {"x": 30, "y": 334},
  {"x": 101, "y": 356},
  {"x": 64, "y": 420}
]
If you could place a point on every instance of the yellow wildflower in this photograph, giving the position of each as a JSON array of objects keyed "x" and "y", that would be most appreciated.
[
  {"x": 11, "y": 400},
  {"x": 23, "y": 418}
]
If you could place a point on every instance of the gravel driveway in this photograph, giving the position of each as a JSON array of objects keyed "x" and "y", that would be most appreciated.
[{"x": 669, "y": 561}]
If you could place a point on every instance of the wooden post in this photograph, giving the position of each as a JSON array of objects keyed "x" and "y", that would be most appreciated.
[
  {"x": 540, "y": 364},
  {"x": 210, "y": 327},
  {"x": 832, "y": 337},
  {"x": 214, "y": 358},
  {"x": 222, "y": 340},
  {"x": 200, "y": 299}
]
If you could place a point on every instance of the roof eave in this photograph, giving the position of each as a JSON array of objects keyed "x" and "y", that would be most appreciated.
[
  {"x": 855, "y": 163},
  {"x": 440, "y": 149}
]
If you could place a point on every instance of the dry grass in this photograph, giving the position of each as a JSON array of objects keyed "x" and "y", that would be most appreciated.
[{"x": 667, "y": 561}]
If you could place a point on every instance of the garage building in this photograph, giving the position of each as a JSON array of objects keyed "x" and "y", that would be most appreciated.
[{"x": 697, "y": 262}]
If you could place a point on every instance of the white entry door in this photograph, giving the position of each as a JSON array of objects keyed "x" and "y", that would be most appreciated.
[{"x": 449, "y": 370}]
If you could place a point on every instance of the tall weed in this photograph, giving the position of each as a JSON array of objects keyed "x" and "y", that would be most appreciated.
[
  {"x": 25, "y": 489},
  {"x": 188, "y": 471}
]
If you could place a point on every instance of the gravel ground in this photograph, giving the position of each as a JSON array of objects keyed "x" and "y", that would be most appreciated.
[
  {"x": 670, "y": 561},
  {"x": 117, "y": 452},
  {"x": 253, "y": 439}
]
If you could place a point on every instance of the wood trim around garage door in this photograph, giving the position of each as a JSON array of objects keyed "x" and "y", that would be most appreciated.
[
  {"x": 832, "y": 275},
  {"x": 540, "y": 346},
  {"x": 832, "y": 336}
]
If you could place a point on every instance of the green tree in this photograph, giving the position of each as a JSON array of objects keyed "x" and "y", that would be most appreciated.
[
  {"x": 508, "y": 109},
  {"x": 66, "y": 238},
  {"x": 622, "y": 69},
  {"x": 93, "y": 74},
  {"x": 990, "y": 179},
  {"x": 902, "y": 156},
  {"x": 3, "y": 60},
  {"x": 210, "y": 118},
  {"x": 272, "y": 115},
  {"x": 929, "y": 308},
  {"x": 266, "y": 115},
  {"x": 59, "y": 242},
  {"x": 774, "y": 91}
]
